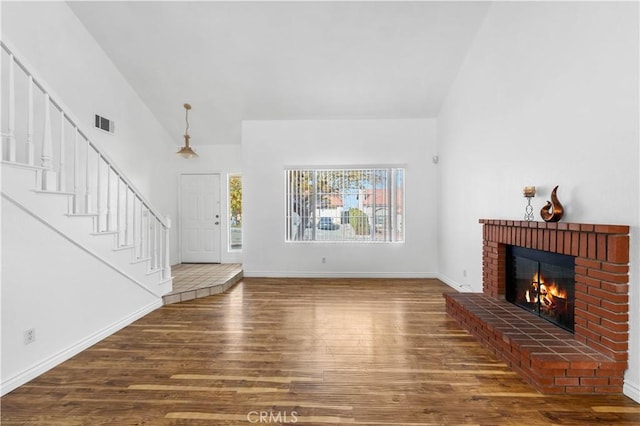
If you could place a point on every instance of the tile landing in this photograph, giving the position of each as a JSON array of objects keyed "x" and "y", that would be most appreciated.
[{"x": 195, "y": 280}]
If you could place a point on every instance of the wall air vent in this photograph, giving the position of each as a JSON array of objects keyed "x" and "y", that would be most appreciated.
[{"x": 105, "y": 124}]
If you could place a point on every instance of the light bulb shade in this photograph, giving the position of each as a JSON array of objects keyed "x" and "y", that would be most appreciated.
[{"x": 186, "y": 152}]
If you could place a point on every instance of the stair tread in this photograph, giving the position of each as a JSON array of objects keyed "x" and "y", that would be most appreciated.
[
  {"x": 44, "y": 191},
  {"x": 153, "y": 271},
  {"x": 22, "y": 165},
  {"x": 124, "y": 247}
]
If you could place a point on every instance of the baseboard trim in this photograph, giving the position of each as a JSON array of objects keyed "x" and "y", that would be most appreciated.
[
  {"x": 462, "y": 288},
  {"x": 305, "y": 274},
  {"x": 632, "y": 390},
  {"x": 58, "y": 358}
]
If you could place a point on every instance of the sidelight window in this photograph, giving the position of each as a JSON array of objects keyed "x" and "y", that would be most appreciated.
[{"x": 235, "y": 212}]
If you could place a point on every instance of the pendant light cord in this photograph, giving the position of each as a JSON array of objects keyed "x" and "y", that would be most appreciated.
[{"x": 186, "y": 119}]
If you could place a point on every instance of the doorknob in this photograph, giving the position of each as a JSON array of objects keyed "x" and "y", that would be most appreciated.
[{"x": 217, "y": 223}]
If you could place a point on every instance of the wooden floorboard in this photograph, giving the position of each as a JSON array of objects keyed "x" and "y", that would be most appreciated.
[{"x": 303, "y": 351}]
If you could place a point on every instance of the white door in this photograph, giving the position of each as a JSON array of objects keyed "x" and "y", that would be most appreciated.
[{"x": 200, "y": 218}]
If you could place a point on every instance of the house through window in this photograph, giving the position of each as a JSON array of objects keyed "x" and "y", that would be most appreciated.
[{"x": 354, "y": 205}]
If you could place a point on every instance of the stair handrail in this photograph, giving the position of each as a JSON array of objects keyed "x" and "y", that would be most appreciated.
[{"x": 60, "y": 106}]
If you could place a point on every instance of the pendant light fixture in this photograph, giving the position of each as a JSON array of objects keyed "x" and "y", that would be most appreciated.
[{"x": 186, "y": 151}]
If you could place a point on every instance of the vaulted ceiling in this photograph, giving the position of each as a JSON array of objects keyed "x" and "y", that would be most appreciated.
[{"x": 235, "y": 61}]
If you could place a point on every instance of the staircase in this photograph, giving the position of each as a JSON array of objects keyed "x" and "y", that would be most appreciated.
[{"x": 53, "y": 172}]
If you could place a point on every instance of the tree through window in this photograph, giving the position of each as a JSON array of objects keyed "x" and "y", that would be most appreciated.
[{"x": 235, "y": 212}]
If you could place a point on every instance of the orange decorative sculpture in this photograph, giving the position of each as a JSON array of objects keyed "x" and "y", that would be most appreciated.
[{"x": 553, "y": 210}]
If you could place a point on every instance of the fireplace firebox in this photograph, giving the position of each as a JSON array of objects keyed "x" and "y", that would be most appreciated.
[{"x": 542, "y": 283}]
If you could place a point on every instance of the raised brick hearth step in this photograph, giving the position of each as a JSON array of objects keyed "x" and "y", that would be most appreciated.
[{"x": 547, "y": 357}]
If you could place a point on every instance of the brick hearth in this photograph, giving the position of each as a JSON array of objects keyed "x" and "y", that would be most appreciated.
[{"x": 593, "y": 359}]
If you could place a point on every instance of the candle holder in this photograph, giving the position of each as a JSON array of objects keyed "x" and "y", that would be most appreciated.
[{"x": 529, "y": 192}]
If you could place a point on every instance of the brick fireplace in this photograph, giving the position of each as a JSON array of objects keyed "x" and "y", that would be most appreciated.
[{"x": 554, "y": 360}]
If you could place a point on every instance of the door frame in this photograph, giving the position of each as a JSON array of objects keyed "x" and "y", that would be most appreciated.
[{"x": 223, "y": 225}]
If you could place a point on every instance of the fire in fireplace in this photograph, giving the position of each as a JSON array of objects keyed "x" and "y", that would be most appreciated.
[{"x": 543, "y": 283}]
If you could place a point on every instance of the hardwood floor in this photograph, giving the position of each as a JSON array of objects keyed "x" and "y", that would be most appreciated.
[{"x": 374, "y": 352}]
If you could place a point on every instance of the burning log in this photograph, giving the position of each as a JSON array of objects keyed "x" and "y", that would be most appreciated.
[{"x": 549, "y": 299}]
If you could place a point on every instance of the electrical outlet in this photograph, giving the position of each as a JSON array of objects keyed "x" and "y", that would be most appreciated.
[
  {"x": 464, "y": 272},
  {"x": 324, "y": 260},
  {"x": 29, "y": 336}
]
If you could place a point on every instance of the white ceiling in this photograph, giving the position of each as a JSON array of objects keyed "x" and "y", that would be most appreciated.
[{"x": 234, "y": 61}]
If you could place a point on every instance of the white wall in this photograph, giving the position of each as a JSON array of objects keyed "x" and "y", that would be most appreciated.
[
  {"x": 221, "y": 159},
  {"x": 548, "y": 95},
  {"x": 269, "y": 147},
  {"x": 71, "y": 299}
]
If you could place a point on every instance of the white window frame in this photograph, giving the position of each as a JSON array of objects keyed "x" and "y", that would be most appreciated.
[
  {"x": 302, "y": 209},
  {"x": 230, "y": 239}
]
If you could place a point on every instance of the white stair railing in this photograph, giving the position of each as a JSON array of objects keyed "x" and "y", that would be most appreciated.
[{"x": 69, "y": 160}]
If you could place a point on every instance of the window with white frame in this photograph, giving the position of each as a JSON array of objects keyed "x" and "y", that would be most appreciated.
[
  {"x": 345, "y": 205},
  {"x": 235, "y": 212}
]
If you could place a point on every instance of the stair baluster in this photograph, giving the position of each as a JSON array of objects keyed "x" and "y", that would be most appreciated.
[
  {"x": 76, "y": 174},
  {"x": 110, "y": 199},
  {"x": 30, "y": 146},
  {"x": 48, "y": 174},
  {"x": 11, "y": 130},
  {"x": 100, "y": 210},
  {"x": 166, "y": 270},
  {"x": 127, "y": 218},
  {"x": 62, "y": 173},
  {"x": 87, "y": 195},
  {"x": 118, "y": 219},
  {"x": 133, "y": 228}
]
